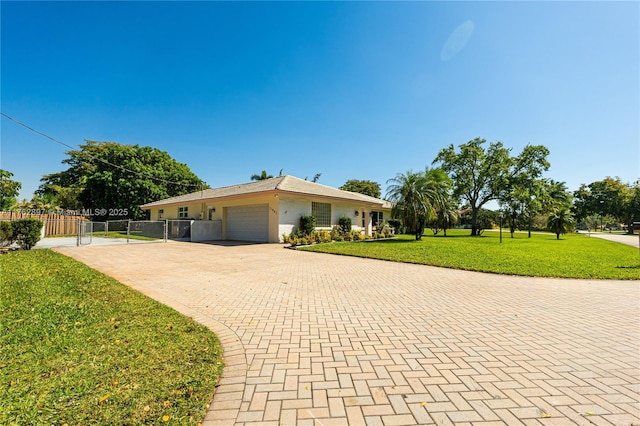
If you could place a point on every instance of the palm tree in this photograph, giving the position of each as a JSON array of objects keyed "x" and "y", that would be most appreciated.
[
  {"x": 262, "y": 176},
  {"x": 447, "y": 216},
  {"x": 560, "y": 222},
  {"x": 417, "y": 196}
]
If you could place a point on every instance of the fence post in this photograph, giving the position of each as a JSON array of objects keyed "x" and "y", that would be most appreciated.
[
  {"x": 166, "y": 230},
  {"x": 78, "y": 233},
  {"x": 128, "y": 227}
]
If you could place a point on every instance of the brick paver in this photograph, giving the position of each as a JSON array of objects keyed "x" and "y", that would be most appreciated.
[{"x": 315, "y": 339}]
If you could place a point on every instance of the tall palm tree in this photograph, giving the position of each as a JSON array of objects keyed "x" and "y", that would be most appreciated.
[
  {"x": 417, "y": 196},
  {"x": 262, "y": 176},
  {"x": 560, "y": 222}
]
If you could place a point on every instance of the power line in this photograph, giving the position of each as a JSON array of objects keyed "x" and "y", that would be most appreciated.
[{"x": 100, "y": 159}]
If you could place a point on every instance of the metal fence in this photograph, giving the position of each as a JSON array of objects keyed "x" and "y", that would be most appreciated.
[
  {"x": 147, "y": 230},
  {"x": 179, "y": 230}
]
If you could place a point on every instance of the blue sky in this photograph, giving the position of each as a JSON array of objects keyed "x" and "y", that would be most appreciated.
[{"x": 350, "y": 90}]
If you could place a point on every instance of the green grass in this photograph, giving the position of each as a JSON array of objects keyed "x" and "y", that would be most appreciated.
[
  {"x": 123, "y": 234},
  {"x": 573, "y": 256},
  {"x": 79, "y": 347}
]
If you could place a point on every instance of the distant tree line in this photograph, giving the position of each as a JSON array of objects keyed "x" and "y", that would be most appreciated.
[{"x": 455, "y": 190}]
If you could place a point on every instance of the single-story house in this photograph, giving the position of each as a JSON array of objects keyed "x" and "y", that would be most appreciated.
[{"x": 264, "y": 210}]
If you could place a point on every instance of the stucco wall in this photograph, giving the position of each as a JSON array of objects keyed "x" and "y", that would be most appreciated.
[
  {"x": 290, "y": 212},
  {"x": 284, "y": 212},
  {"x": 206, "y": 230},
  {"x": 292, "y": 208}
]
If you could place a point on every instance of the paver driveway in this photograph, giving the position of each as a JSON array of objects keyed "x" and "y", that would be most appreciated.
[{"x": 320, "y": 339}]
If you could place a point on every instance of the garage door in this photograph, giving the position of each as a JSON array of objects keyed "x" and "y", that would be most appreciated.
[{"x": 248, "y": 223}]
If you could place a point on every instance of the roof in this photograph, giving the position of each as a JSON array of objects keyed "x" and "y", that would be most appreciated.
[{"x": 282, "y": 184}]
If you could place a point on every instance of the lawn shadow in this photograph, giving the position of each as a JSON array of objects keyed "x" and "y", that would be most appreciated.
[{"x": 629, "y": 267}]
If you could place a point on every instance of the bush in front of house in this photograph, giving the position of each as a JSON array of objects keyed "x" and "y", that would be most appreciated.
[
  {"x": 307, "y": 225},
  {"x": 345, "y": 224},
  {"x": 25, "y": 232},
  {"x": 317, "y": 237}
]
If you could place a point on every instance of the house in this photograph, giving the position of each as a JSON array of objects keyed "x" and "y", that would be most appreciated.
[{"x": 264, "y": 210}]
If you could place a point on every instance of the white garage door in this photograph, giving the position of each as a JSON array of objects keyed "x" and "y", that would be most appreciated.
[{"x": 248, "y": 223}]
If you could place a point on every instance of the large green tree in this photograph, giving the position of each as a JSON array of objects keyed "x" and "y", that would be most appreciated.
[
  {"x": 366, "y": 187},
  {"x": 9, "y": 190},
  {"x": 113, "y": 180},
  {"x": 417, "y": 197},
  {"x": 482, "y": 174},
  {"x": 608, "y": 197}
]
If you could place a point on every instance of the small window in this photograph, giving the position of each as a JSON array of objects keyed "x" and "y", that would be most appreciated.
[
  {"x": 322, "y": 213},
  {"x": 160, "y": 214},
  {"x": 183, "y": 212}
]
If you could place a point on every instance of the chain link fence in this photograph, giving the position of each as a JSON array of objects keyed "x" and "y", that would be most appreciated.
[{"x": 131, "y": 232}]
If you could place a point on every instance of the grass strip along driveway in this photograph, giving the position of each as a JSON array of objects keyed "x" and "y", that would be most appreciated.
[
  {"x": 573, "y": 256},
  {"x": 79, "y": 347}
]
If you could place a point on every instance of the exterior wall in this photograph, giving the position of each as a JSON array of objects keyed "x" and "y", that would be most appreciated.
[
  {"x": 171, "y": 212},
  {"x": 284, "y": 213},
  {"x": 292, "y": 208},
  {"x": 290, "y": 211},
  {"x": 220, "y": 212},
  {"x": 206, "y": 230}
]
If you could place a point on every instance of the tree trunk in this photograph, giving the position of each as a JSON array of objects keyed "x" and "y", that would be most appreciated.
[
  {"x": 557, "y": 235},
  {"x": 529, "y": 225},
  {"x": 474, "y": 222}
]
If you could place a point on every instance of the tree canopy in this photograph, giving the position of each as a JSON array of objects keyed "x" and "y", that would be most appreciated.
[
  {"x": 560, "y": 222},
  {"x": 9, "y": 189},
  {"x": 480, "y": 175},
  {"x": 115, "y": 179},
  {"x": 365, "y": 187},
  {"x": 608, "y": 197},
  {"x": 418, "y": 197}
]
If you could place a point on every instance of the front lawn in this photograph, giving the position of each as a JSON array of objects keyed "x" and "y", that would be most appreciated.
[
  {"x": 573, "y": 256},
  {"x": 78, "y": 347}
]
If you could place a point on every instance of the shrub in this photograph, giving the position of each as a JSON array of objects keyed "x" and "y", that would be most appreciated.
[
  {"x": 307, "y": 224},
  {"x": 323, "y": 236},
  {"x": 6, "y": 234},
  {"x": 357, "y": 235},
  {"x": 26, "y": 232},
  {"x": 394, "y": 223},
  {"x": 345, "y": 224}
]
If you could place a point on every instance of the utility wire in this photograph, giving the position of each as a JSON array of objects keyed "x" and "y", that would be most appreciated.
[{"x": 100, "y": 159}]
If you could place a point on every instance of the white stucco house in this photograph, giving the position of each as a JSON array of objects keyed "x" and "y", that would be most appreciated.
[{"x": 264, "y": 210}]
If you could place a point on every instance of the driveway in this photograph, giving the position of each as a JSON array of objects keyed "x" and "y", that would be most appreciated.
[{"x": 316, "y": 339}]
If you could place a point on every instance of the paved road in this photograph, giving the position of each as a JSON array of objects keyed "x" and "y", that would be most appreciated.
[
  {"x": 618, "y": 238},
  {"x": 315, "y": 339}
]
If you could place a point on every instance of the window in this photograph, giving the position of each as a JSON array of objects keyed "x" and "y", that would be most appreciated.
[
  {"x": 377, "y": 218},
  {"x": 322, "y": 213},
  {"x": 160, "y": 214},
  {"x": 183, "y": 211}
]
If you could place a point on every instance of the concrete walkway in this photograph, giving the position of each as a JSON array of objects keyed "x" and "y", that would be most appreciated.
[{"x": 315, "y": 339}]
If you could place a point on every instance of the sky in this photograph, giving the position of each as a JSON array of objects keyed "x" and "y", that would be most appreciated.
[{"x": 351, "y": 90}]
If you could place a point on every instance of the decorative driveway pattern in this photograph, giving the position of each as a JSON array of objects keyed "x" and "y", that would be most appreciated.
[{"x": 315, "y": 339}]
